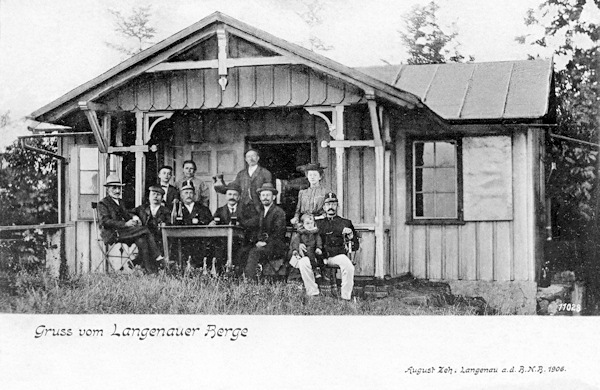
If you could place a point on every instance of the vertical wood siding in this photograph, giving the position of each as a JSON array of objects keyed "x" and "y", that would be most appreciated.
[
  {"x": 478, "y": 250},
  {"x": 252, "y": 86}
]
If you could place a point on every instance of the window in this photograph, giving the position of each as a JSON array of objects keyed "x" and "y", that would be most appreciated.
[
  {"x": 435, "y": 181},
  {"x": 88, "y": 171}
]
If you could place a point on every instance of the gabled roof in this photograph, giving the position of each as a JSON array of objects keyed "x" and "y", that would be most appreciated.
[
  {"x": 190, "y": 36},
  {"x": 507, "y": 90}
]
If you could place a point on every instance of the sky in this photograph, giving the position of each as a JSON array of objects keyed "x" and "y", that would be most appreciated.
[{"x": 49, "y": 47}]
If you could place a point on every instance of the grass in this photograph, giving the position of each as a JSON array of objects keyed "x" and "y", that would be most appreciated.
[{"x": 192, "y": 294}]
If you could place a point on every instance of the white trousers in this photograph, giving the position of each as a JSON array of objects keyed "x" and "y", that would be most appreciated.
[{"x": 346, "y": 268}]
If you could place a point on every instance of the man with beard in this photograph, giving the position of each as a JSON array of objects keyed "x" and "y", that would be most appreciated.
[{"x": 269, "y": 243}]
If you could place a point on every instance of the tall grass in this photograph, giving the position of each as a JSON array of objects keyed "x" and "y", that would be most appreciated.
[{"x": 192, "y": 294}]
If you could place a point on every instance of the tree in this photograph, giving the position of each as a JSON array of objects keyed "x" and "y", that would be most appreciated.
[
  {"x": 136, "y": 28},
  {"x": 426, "y": 42},
  {"x": 312, "y": 16}
]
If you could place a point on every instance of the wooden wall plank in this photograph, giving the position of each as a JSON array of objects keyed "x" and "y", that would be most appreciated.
[
  {"x": 485, "y": 250},
  {"x": 503, "y": 251},
  {"x": 70, "y": 249},
  {"x": 230, "y": 95},
  {"x": 451, "y": 252},
  {"x": 264, "y": 86},
  {"x": 178, "y": 91},
  {"x": 96, "y": 257},
  {"x": 353, "y": 198},
  {"x": 247, "y": 86},
  {"x": 282, "y": 85},
  {"x": 419, "y": 251},
  {"x": 195, "y": 88},
  {"x": 402, "y": 229},
  {"x": 335, "y": 91},
  {"x": 435, "y": 247},
  {"x": 83, "y": 247},
  {"x": 143, "y": 93},
  {"x": 520, "y": 237},
  {"x": 299, "y": 84},
  {"x": 127, "y": 98},
  {"x": 160, "y": 88},
  {"x": 353, "y": 94},
  {"x": 368, "y": 194},
  {"x": 212, "y": 88},
  {"x": 365, "y": 257},
  {"x": 318, "y": 88},
  {"x": 468, "y": 251}
]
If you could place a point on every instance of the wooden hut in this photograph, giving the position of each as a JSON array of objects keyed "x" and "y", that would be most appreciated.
[{"x": 440, "y": 167}]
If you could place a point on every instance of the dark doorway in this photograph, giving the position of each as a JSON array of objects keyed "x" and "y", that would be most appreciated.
[{"x": 282, "y": 158}]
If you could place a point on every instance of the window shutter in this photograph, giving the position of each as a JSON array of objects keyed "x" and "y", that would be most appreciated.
[{"x": 487, "y": 178}]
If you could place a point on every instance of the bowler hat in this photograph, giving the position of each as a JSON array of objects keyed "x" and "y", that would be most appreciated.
[
  {"x": 268, "y": 187},
  {"x": 331, "y": 198},
  {"x": 310, "y": 167},
  {"x": 233, "y": 187},
  {"x": 187, "y": 185},
  {"x": 113, "y": 180},
  {"x": 157, "y": 189}
]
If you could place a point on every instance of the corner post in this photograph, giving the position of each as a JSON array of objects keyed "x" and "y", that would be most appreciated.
[
  {"x": 140, "y": 159},
  {"x": 379, "y": 188}
]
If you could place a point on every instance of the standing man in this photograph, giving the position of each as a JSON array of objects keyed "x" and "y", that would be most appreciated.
[
  {"x": 201, "y": 190},
  {"x": 271, "y": 232},
  {"x": 336, "y": 232},
  {"x": 118, "y": 225},
  {"x": 234, "y": 213},
  {"x": 170, "y": 192},
  {"x": 194, "y": 213},
  {"x": 153, "y": 214},
  {"x": 250, "y": 180}
]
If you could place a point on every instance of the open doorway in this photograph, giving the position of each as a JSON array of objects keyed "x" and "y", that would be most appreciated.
[{"x": 282, "y": 158}]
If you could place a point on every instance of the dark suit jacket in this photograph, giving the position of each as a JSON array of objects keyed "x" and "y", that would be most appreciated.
[
  {"x": 249, "y": 185},
  {"x": 163, "y": 215},
  {"x": 112, "y": 217},
  {"x": 271, "y": 229},
  {"x": 199, "y": 211},
  {"x": 247, "y": 217},
  {"x": 172, "y": 193},
  {"x": 331, "y": 234}
]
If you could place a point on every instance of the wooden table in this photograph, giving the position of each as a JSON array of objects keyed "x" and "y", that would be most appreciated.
[{"x": 196, "y": 231}]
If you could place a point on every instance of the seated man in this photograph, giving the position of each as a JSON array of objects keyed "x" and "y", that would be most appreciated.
[
  {"x": 234, "y": 213},
  {"x": 335, "y": 233},
  {"x": 153, "y": 214},
  {"x": 194, "y": 213},
  {"x": 118, "y": 225},
  {"x": 269, "y": 243}
]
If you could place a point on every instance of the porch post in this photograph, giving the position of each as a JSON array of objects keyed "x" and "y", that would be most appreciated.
[
  {"x": 340, "y": 156},
  {"x": 379, "y": 189},
  {"x": 140, "y": 158}
]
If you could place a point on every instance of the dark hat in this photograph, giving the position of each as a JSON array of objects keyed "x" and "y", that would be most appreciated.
[
  {"x": 187, "y": 185},
  {"x": 268, "y": 187},
  {"x": 310, "y": 167},
  {"x": 157, "y": 189},
  {"x": 331, "y": 198},
  {"x": 113, "y": 180},
  {"x": 233, "y": 187}
]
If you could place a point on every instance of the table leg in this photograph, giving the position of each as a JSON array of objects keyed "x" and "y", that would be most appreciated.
[
  {"x": 179, "y": 253},
  {"x": 229, "y": 249}
]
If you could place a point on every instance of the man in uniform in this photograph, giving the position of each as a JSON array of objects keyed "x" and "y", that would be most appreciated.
[
  {"x": 118, "y": 225},
  {"x": 336, "y": 232}
]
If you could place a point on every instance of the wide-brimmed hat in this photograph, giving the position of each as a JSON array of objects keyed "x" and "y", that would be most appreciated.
[
  {"x": 187, "y": 185},
  {"x": 113, "y": 180},
  {"x": 268, "y": 187},
  {"x": 310, "y": 167},
  {"x": 157, "y": 189},
  {"x": 233, "y": 187},
  {"x": 331, "y": 198}
]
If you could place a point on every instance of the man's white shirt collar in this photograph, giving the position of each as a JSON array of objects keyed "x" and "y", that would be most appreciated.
[{"x": 251, "y": 170}]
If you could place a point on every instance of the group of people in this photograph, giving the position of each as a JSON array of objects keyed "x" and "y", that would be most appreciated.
[{"x": 322, "y": 238}]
